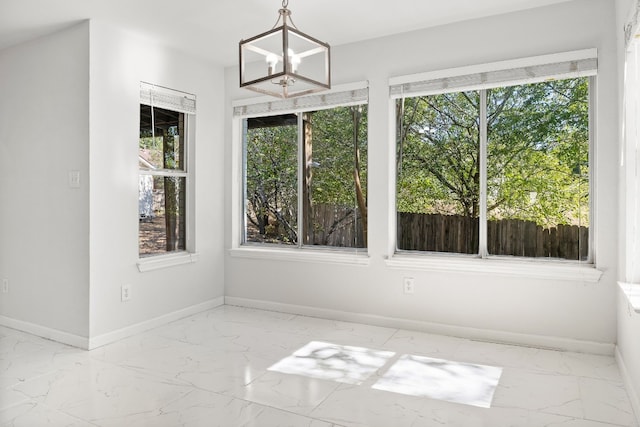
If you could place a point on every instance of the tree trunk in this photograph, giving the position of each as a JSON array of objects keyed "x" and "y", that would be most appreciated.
[
  {"x": 174, "y": 190},
  {"x": 362, "y": 205},
  {"x": 307, "y": 176}
]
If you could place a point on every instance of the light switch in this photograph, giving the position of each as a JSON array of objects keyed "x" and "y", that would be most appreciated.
[{"x": 74, "y": 179}]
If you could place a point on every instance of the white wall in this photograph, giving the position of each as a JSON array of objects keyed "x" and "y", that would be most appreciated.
[
  {"x": 44, "y": 224},
  {"x": 509, "y": 306},
  {"x": 628, "y": 321},
  {"x": 70, "y": 101},
  {"x": 119, "y": 61}
]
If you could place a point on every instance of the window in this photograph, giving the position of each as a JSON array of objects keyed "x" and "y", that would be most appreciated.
[
  {"x": 631, "y": 166},
  {"x": 305, "y": 175},
  {"x": 501, "y": 170},
  {"x": 165, "y": 119}
]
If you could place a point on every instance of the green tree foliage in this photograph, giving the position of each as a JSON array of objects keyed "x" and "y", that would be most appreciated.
[
  {"x": 438, "y": 154},
  {"x": 333, "y": 155},
  {"x": 338, "y": 175},
  {"x": 537, "y": 153},
  {"x": 271, "y": 181},
  {"x": 339, "y": 155}
]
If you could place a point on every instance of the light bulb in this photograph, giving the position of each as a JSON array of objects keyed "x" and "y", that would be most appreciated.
[
  {"x": 272, "y": 61},
  {"x": 294, "y": 60}
]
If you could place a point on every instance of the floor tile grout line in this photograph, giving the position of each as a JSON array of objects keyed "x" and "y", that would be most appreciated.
[{"x": 395, "y": 331}]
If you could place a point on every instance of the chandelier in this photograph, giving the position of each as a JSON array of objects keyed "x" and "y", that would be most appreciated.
[{"x": 284, "y": 62}]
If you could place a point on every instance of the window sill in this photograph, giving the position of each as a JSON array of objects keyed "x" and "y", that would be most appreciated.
[
  {"x": 163, "y": 261},
  {"x": 301, "y": 255},
  {"x": 528, "y": 269},
  {"x": 632, "y": 292}
]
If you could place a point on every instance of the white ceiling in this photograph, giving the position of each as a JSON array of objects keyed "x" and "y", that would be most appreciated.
[{"x": 213, "y": 28}]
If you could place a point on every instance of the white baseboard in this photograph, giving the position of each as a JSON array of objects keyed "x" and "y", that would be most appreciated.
[
  {"x": 104, "y": 339},
  {"x": 634, "y": 397},
  {"x": 557, "y": 343},
  {"x": 44, "y": 332},
  {"x": 128, "y": 331},
  {"x": 539, "y": 341}
]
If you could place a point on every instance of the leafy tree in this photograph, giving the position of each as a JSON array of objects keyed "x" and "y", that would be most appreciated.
[
  {"x": 271, "y": 181},
  {"x": 339, "y": 169},
  {"x": 335, "y": 173},
  {"x": 334, "y": 153},
  {"x": 537, "y": 154},
  {"x": 541, "y": 141}
]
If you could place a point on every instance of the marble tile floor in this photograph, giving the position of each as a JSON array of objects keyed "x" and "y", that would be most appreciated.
[{"x": 234, "y": 366}]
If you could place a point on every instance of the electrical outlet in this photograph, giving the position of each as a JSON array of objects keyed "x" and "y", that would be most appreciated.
[
  {"x": 5, "y": 286},
  {"x": 125, "y": 293},
  {"x": 408, "y": 284}
]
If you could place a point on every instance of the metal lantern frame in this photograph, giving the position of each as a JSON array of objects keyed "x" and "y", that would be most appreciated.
[{"x": 285, "y": 80}]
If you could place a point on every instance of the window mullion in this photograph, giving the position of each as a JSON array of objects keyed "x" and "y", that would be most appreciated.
[
  {"x": 482, "y": 226},
  {"x": 592, "y": 167},
  {"x": 301, "y": 170},
  {"x": 245, "y": 201}
]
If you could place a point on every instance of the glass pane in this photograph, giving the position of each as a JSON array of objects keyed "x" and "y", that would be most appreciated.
[
  {"x": 271, "y": 199},
  {"x": 162, "y": 218},
  {"x": 438, "y": 180},
  {"x": 538, "y": 170},
  {"x": 334, "y": 195},
  {"x": 161, "y": 147}
]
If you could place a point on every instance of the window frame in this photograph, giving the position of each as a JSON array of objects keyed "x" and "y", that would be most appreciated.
[
  {"x": 263, "y": 106},
  {"x": 630, "y": 275},
  {"x": 484, "y": 263},
  {"x": 184, "y": 103}
]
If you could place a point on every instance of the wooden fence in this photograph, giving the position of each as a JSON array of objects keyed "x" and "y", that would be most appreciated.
[
  {"x": 336, "y": 226},
  {"x": 340, "y": 226},
  {"x": 459, "y": 234}
]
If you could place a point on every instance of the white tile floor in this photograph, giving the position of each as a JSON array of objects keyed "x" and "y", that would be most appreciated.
[{"x": 234, "y": 366}]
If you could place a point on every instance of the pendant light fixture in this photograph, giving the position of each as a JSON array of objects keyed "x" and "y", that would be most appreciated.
[{"x": 284, "y": 62}]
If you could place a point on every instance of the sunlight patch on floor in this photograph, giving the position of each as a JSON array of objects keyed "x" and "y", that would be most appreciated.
[
  {"x": 345, "y": 364},
  {"x": 455, "y": 382}
]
